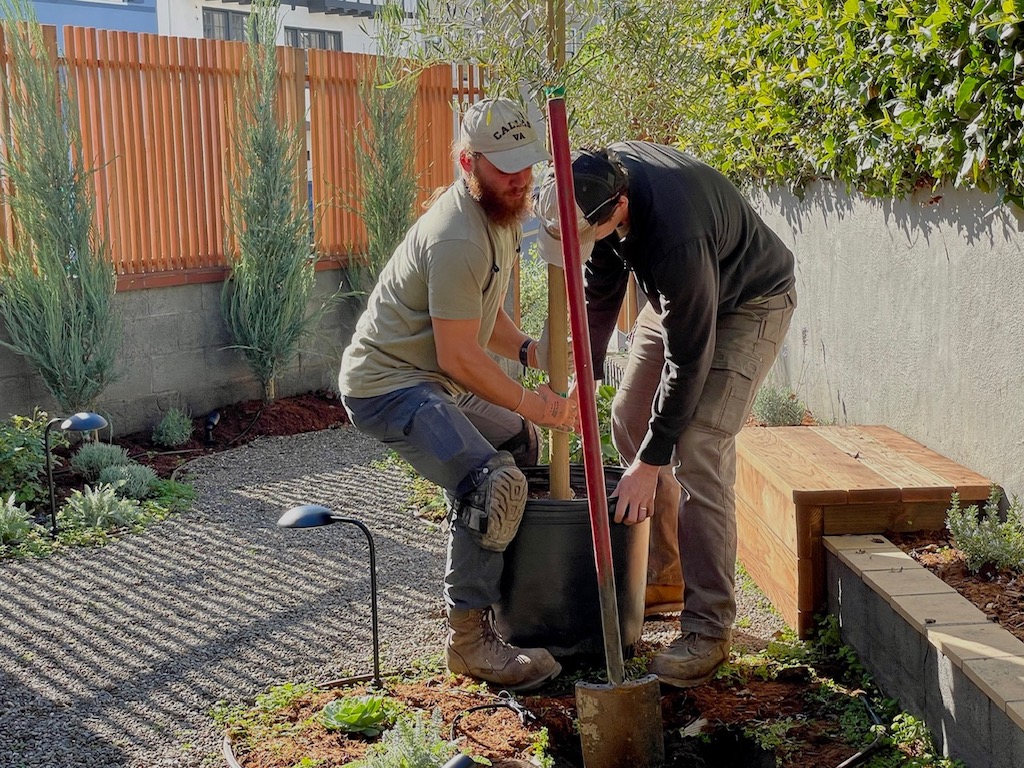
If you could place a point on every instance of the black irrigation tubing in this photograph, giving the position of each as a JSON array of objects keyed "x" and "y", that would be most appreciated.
[
  {"x": 861, "y": 756},
  {"x": 245, "y": 431},
  {"x": 508, "y": 701},
  {"x": 235, "y": 439},
  {"x": 231, "y": 442}
]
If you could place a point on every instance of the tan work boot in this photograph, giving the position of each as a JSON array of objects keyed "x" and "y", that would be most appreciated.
[
  {"x": 663, "y": 598},
  {"x": 474, "y": 648},
  {"x": 691, "y": 660}
]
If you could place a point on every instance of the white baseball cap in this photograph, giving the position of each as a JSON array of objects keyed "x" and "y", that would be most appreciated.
[
  {"x": 598, "y": 184},
  {"x": 549, "y": 239},
  {"x": 500, "y": 130}
]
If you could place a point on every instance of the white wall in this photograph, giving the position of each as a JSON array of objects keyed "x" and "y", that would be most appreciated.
[
  {"x": 910, "y": 314},
  {"x": 184, "y": 18}
]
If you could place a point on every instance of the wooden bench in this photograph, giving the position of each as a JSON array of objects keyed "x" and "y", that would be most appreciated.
[{"x": 797, "y": 484}]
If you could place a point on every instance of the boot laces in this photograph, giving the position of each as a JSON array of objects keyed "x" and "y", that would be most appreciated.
[{"x": 489, "y": 634}]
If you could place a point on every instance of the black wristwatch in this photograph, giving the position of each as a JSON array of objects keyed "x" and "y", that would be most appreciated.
[{"x": 524, "y": 352}]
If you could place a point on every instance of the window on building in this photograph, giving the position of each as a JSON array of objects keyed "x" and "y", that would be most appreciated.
[
  {"x": 312, "y": 38},
  {"x": 223, "y": 25}
]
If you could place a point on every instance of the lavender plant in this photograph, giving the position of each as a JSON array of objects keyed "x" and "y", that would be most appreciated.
[{"x": 984, "y": 537}]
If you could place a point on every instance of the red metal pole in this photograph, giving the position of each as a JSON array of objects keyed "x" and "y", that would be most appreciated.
[{"x": 592, "y": 463}]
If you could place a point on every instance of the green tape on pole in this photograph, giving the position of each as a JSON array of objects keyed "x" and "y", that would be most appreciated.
[{"x": 555, "y": 92}]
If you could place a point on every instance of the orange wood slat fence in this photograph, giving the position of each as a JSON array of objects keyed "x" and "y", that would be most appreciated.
[
  {"x": 337, "y": 120},
  {"x": 157, "y": 117},
  {"x": 335, "y": 114}
]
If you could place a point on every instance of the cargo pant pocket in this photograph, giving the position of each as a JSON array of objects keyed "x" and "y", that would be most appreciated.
[{"x": 728, "y": 391}]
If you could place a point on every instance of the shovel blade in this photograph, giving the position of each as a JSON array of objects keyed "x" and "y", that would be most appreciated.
[{"x": 621, "y": 724}]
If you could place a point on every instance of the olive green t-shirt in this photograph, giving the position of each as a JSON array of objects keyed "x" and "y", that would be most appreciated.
[{"x": 453, "y": 265}]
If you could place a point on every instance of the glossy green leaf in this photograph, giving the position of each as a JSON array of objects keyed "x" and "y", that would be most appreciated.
[{"x": 965, "y": 92}]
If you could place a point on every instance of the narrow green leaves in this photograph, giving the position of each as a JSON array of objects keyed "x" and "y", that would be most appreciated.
[
  {"x": 57, "y": 285},
  {"x": 266, "y": 302}
]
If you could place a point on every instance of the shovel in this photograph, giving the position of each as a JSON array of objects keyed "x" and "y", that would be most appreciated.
[{"x": 620, "y": 722}]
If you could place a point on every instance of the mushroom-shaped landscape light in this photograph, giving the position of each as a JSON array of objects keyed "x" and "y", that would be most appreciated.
[{"x": 313, "y": 516}]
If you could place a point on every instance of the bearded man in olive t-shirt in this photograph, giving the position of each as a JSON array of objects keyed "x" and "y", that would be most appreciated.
[{"x": 417, "y": 376}]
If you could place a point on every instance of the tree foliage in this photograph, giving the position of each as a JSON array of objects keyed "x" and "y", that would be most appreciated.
[
  {"x": 634, "y": 69},
  {"x": 386, "y": 147},
  {"x": 58, "y": 283},
  {"x": 266, "y": 301},
  {"x": 887, "y": 95}
]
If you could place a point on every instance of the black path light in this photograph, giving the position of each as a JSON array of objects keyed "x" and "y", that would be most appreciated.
[
  {"x": 313, "y": 516},
  {"x": 79, "y": 422}
]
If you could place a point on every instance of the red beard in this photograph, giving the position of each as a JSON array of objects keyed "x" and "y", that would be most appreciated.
[{"x": 501, "y": 210}]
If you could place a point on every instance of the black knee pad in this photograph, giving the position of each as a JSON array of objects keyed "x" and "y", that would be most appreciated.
[{"x": 493, "y": 510}]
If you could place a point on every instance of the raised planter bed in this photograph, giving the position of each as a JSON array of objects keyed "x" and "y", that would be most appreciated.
[
  {"x": 931, "y": 649},
  {"x": 795, "y": 485}
]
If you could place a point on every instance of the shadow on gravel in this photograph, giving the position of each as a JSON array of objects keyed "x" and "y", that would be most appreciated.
[
  {"x": 41, "y": 733},
  {"x": 134, "y": 643}
]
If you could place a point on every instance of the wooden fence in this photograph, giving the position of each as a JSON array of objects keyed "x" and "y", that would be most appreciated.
[{"x": 157, "y": 117}]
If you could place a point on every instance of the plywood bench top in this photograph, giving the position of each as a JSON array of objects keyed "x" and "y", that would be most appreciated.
[{"x": 855, "y": 465}]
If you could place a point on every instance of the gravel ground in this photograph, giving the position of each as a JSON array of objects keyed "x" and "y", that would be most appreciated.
[{"x": 115, "y": 656}]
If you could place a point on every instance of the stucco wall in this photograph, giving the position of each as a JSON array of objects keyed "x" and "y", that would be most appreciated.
[
  {"x": 174, "y": 354},
  {"x": 910, "y": 314}
]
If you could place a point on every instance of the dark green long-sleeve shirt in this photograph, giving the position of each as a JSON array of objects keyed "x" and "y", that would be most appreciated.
[{"x": 698, "y": 249}]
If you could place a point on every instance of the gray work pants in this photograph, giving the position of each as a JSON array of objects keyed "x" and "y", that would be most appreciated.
[
  {"x": 703, "y": 530},
  {"x": 447, "y": 440}
]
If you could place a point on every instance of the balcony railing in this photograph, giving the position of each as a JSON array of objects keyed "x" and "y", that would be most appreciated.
[{"x": 347, "y": 7}]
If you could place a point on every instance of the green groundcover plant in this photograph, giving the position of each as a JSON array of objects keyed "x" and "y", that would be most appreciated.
[
  {"x": 15, "y": 521},
  {"x": 174, "y": 429},
  {"x": 99, "y": 507},
  {"x": 97, "y": 516},
  {"x": 368, "y": 715},
  {"x": 130, "y": 481},
  {"x": 984, "y": 537},
  {"x": 837, "y": 693},
  {"x": 778, "y": 406},
  {"x": 93, "y": 457},
  {"x": 23, "y": 459}
]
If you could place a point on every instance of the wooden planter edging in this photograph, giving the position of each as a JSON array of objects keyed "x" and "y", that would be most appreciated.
[
  {"x": 795, "y": 485},
  {"x": 931, "y": 649}
]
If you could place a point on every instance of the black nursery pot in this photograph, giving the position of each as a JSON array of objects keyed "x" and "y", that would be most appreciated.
[{"x": 549, "y": 594}]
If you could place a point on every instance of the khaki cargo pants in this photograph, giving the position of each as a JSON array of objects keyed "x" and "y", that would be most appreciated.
[{"x": 695, "y": 543}]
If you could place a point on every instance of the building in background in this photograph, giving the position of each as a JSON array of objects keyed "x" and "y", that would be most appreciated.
[
  {"x": 336, "y": 25},
  {"x": 127, "y": 15}
]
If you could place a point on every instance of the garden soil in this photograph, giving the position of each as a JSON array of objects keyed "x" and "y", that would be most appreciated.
[{"x": 506, "y": 736}]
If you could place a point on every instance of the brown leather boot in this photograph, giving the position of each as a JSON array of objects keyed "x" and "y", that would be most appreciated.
[
  {"x": 474, "y": 648},
  {"x": 691, "y": 660},
  {"x": 663, "y": 598}
]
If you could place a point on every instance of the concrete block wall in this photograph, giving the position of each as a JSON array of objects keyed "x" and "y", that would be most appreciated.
[
  {"x": 930, "y": 649},
  {"x": 175, "y": 353}
]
